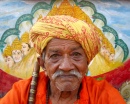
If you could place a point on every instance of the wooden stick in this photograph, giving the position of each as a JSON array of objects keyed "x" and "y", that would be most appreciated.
[{"x": 33, "y": 86}]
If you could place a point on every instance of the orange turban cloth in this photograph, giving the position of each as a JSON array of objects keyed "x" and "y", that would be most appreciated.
[{"x": 65, "y": 27}]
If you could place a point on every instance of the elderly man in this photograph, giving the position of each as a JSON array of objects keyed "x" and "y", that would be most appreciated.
[{"x": 66, "y": 47}]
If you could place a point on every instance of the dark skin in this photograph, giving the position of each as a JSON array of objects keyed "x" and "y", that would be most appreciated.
[{"x": 65, "y": 55}]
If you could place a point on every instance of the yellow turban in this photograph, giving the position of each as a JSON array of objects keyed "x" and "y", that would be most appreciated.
[{"x": 65, "y": 27}]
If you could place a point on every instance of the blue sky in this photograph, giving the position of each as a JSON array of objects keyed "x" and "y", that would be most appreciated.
[{"x": 14, "y": 4}]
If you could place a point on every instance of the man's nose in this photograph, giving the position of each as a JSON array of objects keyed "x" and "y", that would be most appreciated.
[{"x": 66, "y": 64}]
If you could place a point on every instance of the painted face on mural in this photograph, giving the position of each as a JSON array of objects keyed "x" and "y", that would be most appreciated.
[
  {"x": 25, "y": 48},
  {"x": 9, "y": 61},
  {"x": 103, "y": 50},
  {"x": 31, "y": 43},
  {"x": 66, "y": 64},
  {"x": 112, "y": 57},
  {"x": 17, "y": 55}
]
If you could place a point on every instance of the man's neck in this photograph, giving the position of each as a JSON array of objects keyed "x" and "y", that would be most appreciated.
[{"x": 63, "y": 97}]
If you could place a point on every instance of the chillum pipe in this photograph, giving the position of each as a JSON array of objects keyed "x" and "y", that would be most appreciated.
[{"x": 33, "y": 86}]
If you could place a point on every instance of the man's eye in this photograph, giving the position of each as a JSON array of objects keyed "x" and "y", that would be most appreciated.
[
  {"x": 54, "y": 56},
  {"x": 13, "y": 53},
  {"x": 76, "y": 54},
  {"x": 18, "y": 53}
]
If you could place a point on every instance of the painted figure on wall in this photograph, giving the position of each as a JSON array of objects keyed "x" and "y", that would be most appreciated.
[
  {"x": 7, "y": 54},
  {"x": 25, "y": 43},
  {"x": 16, "y": 50}
]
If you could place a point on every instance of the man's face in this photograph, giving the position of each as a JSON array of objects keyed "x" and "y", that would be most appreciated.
[
  {"x": 17, "y": 55},
  {"x": 10, "y": 61},
  {"x": 66, "y": 64},
  {"x": 25, "y": 48}
]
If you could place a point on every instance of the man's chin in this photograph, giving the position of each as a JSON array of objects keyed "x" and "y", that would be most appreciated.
[{"x": 67, "y": 84}]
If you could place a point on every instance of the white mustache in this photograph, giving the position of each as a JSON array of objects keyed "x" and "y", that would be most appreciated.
[{"x": 61, "y": 72}]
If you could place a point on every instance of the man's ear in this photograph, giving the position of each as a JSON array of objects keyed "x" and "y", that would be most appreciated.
[{"x": 40, "y": 61}]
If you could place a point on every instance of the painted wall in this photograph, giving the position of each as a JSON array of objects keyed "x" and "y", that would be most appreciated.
[{"x": 18, "y": 16}]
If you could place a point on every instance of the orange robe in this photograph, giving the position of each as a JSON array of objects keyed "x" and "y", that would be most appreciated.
[{"x": 92, "y": 92}]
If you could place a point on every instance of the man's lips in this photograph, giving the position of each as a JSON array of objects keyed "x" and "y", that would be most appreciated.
[
  {"x": 66, "y": 77},
  {"x": 70, "y": 75}
]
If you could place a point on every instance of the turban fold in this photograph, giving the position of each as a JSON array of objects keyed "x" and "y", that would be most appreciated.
[{"x": 65, "y": 27}]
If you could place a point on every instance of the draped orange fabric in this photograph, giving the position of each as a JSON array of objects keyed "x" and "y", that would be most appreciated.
[
  {"x": 92, "y": 92},
  {"x": 65, "y": 27}
]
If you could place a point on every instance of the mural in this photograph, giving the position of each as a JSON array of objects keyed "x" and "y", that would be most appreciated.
[{"x": 111, "y": 19}]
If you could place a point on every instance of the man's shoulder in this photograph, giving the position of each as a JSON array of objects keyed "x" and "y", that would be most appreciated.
[
  {"x": 96, "y": 83},
  {"x": 99, "y": 86},
  {"x": 100, "y": 91}
]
